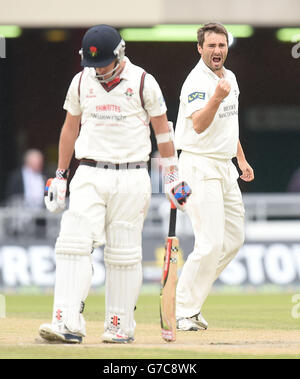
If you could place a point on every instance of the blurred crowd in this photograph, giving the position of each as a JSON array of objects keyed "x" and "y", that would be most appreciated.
[{"x": 25, "y": 185}]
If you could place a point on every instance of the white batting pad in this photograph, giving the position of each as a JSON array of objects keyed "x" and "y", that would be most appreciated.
[
  {"x": 75, "y": 235},
  {"x": 73, "y": 281},
  {"x": 123, "y": 286},
  {"x": 122, "y": 258},
  {"x": 123, "y": 244}
]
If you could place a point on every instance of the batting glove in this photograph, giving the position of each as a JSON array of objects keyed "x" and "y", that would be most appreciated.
[
  {"x": 177, "y": 191},
  {"x": 55, "y": 192}
]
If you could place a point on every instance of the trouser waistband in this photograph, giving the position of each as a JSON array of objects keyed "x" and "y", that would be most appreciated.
[{"x": 113, "y": 166}]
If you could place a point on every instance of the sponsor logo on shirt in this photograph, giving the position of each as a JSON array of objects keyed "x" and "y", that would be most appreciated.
[
  {"x": 108, "y": 117},
  {"x": 196, "y": 95},
  {"x": 229, "y": 111},
  {"x": 108, "y": 108},
  {"x": 108, "y": 112},
  {"x": 161, "y": 101},
  {"x": 90, "y": 93}
]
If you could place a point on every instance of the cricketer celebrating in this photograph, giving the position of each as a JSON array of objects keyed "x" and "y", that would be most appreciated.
[
  {"x": 207, "y": 132},
  {"x": 109, "y": 106}
]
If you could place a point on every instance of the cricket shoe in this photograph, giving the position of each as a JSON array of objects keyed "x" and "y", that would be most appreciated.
[
  {"x": 200, "y": 321},
  {"x": 186, "y": 324},
  {"x": 193, "y": 323},
  {"x": 51, "y": 334},
  {"x": 116, "y": 335}
]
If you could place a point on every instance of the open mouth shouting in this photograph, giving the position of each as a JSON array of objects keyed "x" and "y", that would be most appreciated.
[{"x": 217, "y": 60}]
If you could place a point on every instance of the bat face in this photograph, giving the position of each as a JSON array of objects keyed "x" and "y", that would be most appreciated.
[{"x": 168, "y": 290}]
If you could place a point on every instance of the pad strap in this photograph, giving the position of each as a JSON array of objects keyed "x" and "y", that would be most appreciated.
[{"x": 75, "y": 235}]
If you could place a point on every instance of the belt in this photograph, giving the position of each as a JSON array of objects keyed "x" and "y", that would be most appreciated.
[{"x": 113, "y": 166}]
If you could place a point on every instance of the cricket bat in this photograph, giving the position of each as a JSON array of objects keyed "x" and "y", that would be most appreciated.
[{"x": 169, "y": 281}]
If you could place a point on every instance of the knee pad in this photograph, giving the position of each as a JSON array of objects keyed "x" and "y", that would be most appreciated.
[
  {"x": 75, "y": 235},
  {"x": 123, "y": 244}
]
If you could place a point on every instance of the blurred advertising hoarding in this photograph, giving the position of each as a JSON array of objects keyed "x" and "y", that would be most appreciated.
[
  {"x": 270, "y": 255},
  {"x": 257, "y": 264}
]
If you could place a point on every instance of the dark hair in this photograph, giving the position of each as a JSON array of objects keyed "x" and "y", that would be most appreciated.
[{"x": 214, "y": 27}]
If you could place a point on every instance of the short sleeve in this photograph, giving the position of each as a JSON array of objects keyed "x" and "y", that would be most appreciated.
[
  {"x": 72, "y": 102},
  {"x": 153, "y": 97},
  {"x": 194, "y": 95}
]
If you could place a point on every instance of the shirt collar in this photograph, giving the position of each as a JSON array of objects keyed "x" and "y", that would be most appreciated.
[{"x": 203, "y": 67}]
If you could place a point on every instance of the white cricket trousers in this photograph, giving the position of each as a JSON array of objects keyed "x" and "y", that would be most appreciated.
[
  {"x": 115, "y": 202},
  {"x": 216, "y": 211},
  {"x": 107, "y": 196}
]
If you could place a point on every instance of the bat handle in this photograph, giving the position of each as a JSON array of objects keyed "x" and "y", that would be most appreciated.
[
  {"x": 172, "y": 221},
  {"x": 172, "y": 205}
]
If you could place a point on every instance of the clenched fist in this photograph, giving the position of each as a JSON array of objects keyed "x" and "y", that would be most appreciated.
[{"x": 222, "y": 90}]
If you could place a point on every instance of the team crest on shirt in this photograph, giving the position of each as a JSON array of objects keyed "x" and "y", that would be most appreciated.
[
  {"x": 196, "y": 95},
  {"x": 129, "y": 93}
]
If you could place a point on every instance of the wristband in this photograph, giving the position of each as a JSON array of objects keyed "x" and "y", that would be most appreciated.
[
  {"x": 62, "y": 173},
  {"x": 171, "y": 176}
]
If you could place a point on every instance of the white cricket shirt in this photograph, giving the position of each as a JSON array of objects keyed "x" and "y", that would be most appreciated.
[
  {"x": 220, "y": 139},
  {"x": 114, "y": 125}
]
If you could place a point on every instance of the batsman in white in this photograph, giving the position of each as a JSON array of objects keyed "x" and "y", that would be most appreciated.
[
  {"x": 109, "y": 105},
  {"x": 207, "y": 132}
]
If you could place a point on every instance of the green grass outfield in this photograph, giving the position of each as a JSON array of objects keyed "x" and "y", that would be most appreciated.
[{"x": 240, "y": 326}]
